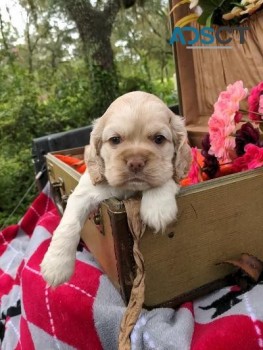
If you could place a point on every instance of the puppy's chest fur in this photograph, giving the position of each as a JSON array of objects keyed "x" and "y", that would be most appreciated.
[{"x": 122, "y": 194}]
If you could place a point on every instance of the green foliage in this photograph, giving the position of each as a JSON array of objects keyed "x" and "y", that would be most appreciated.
[
  {"x": 135, "y": 83},
  {"x": 166, "y": 91},
  {"x": 16, "y": 175},
  {"x": 34, "y": 105},
  {"x": 213, "y": 11},
  {"x": 141, "y": 42},
  {"x": 104, "y": 89}
]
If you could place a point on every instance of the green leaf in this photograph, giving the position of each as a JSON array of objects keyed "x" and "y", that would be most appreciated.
[
  {"x": 209, "y": 7},
  {"x": 204, "y": 17},
  {"x": 208, "y": 22}
]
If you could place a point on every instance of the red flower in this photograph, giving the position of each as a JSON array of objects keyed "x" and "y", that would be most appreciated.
[
  {"x": 238, "y": 117},
  {"x": 194, "y": 174},
  {"x": 253, "y": 101},
  {"x": 253, "y": 158},
  {"x": 211, "y": 164},
  {"x": 245, "y": 135}
]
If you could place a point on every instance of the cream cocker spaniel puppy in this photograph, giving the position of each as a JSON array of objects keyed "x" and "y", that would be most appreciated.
[{"x": 137, "y": 145}]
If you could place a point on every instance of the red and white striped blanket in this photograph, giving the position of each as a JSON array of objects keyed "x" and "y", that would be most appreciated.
[{"x": 85, "y": 313}]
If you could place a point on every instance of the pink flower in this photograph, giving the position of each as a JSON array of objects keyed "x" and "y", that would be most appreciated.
[
  {"x": 220, "y": 130},
  {"x": 222, "y": 123},
  {"x": 195, "y": 170},
  {"x": 228, "y": 101},
  {"x": 253, "y": 158},
  {"x": 255, "y": 102},
  {"x": 236, "y": 91},
  {"x": 260, "y": 107},
  {"x": 225, "y": 104}
]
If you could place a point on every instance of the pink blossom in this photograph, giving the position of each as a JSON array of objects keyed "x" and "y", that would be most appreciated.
[
  {"x": 253, "y": 158},
  {"x": 195, "y": 170},
  {"x": 229, "y": 100},
  {"x": 229, "y": 107},
  {"x": 255, "y": 102},
  {"x": 236, "y": 91},
  {"x": 222, "y": 123},
  {"x": 260, "y": 107},
  {"x": 220, "y": 130}
]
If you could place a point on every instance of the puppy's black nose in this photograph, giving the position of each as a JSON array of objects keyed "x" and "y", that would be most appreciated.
[{"x": 135, "y": 164}]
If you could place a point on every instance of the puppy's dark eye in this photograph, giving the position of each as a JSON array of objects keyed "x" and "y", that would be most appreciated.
[
  {"x": 159, "y": 139},
  {"x": 115, "y": 140}
]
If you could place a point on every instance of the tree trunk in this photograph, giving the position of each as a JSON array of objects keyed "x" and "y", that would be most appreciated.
[{"x": 95, "y": 27}]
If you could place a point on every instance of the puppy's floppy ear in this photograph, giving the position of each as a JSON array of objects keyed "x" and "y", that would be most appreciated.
[
  {"x": 92, "y": 156},
  {"x": 183, "y": 154}
]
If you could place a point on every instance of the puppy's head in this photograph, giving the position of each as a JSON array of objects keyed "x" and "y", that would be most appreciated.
[{"x": 138, "y": 144}]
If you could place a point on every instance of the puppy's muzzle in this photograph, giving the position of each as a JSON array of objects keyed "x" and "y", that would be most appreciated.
[{"x": 135, "y": 164}]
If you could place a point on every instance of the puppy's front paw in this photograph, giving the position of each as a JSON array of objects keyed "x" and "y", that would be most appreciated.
[
  {"x": 57, "y": 268},
  {"x": 158, "y": 214}
]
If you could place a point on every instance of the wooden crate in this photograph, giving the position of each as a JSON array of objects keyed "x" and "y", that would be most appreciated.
[{"x": 217, "y": 221}]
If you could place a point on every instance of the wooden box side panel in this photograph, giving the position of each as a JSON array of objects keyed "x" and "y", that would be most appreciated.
[
  {"x": 113, "y": 247},
  {"x": 102, "y": 246},
  {"x": 214, "y": 224},
  {"x": 123, "y": 245},
  {"x": 60, "y": 171},
  {"x": 63, "y": 180}
]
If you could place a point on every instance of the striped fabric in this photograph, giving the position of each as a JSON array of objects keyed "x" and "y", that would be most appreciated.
[{"x": 86, "y": 312}]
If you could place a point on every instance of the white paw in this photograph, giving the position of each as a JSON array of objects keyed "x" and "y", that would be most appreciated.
[
  {"x": 159, "y": 207},
  {"x": 158, "y": 215},
  {"x": 57, "y": 268}
]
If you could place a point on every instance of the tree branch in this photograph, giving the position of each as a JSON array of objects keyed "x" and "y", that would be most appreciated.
[
  {"x": 112, "y": 8},
  {"x": 152, "y": 26}
]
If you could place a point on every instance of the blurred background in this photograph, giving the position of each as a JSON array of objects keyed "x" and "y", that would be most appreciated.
[{"x": 62, "y": 62}]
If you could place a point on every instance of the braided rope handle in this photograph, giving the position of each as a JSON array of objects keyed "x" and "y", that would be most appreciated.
[{"x": 136, "y": 301}]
